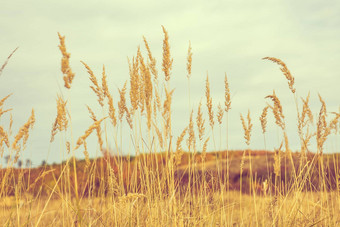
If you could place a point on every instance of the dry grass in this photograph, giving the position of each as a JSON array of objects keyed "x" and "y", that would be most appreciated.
[{"x": 167, "y": 182}]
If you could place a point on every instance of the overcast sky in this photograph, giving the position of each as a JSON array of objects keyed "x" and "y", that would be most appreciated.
[{"x": 226, "y": 36}]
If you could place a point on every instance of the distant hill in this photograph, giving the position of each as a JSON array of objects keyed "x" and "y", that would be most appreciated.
[{"x": 130, "y": 171}]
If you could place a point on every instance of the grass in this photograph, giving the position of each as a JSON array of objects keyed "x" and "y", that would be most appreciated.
[{"x": 168, "y": 180}]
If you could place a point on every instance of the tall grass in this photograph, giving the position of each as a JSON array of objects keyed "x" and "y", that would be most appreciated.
[{"x": 170, "y": 179}]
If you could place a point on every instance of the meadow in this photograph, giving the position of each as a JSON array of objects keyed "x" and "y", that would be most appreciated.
[{"x": 168, "y": 179}]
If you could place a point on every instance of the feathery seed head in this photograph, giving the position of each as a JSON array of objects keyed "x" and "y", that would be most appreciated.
[
  {"x": 167, "y": 60},
  {"x": 277, "y": 110},
  {"x": 263, "y": 119},
  {"x": 247, "y": 127},
  {"x": 189, "y": 60},
  {"x": 200, "y": 122},
  {"x": 151, "y": 60},
  {"x": 220, "y": 113},
  {"x": 227, "y": 101},
  {"x": 209, "y": 102},
  {"x": 65, "y": 63},
  {"x": 285, "y": 71},
  {"x": 96, "y": 88}
]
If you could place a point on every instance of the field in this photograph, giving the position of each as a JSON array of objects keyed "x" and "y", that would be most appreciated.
[{"x": 171, "y": 180}]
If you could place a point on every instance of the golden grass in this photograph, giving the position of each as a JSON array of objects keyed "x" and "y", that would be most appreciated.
[
  {"x": 168, "y": 182},
  {"x": 65, "y": 63},
  {"x": 303, "y": 209},
  {"x": 6, "y": 62}
]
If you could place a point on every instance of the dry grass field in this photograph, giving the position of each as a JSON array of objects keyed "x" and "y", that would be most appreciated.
[{"x": 171, "y": 180}]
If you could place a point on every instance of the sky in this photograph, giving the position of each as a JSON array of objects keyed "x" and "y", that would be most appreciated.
[{"x": 228, "y": 37}]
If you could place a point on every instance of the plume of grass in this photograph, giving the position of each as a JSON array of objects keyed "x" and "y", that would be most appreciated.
[
  {"x": 200, "y": 122},
  {"x": 145, "y": 74},
  {"x": 305, "y": 118},
  {"x": 3, "y": 134},
  {"x": 151, "y": 61},
  {"x": 209, "y": 103},
  {"x": 95, "y": 87},
  {"x": 159, "y": 135},
  {"x": 23, "y": 134},
  {"x": 4, "y": 138},
  {"x": 6, "y": 62},
  {"x": 285, "y": 71},
  {"x": 189, "y": 61},
  {"x": 167, "y": 60},
  {"x": 167, "y": 111},
  {"x": 141, "y": 84},
  {"x": 323, "y": 128},
  {"x": 191, "y": 139},
  {"x": 112, "y": 110},
  {"x": 122, "y": 106},
  {"x": 88, "y": 132},
  {"x": 247, "y": 127},
  {"x": 277, "y": 111},
  {"x": 68, "y": 147},
  {"x": 134, "y": 83},
  {"x": 263, "y": 119},
  {"x": 105, "y": 88},
  {"x": 65, "y": 63},
  {"x": 61, "y": 121},
  {"x": 306, "y": 111},
  {"x": 5, "y": 111},
  {"x": 220, "y": 113},
  {"x": 321, "y": 135},
  {"x": 122, "y": 102},
  {"x": 227, "y": 97},
  {"x": 2, "y": 101}
]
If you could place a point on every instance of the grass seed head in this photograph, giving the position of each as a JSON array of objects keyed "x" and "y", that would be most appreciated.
[
  {"x": 23, "y": 134},
  {"x": 95, "y": 87},
  {"x": 167, "y": 60},
  {"x": 167, "y": 111},
  {"x": 4, "y": 137},
  {"x": 65, "y": 63},
  {"x": 112, "y": 110},
  {"x": 277, "y": 110},
  {"x": 285, "y": 71},
  {"x": 6, "y": 62},
  {"x": 200, "y": 122},
  {"x": 189, "y": 61},
  {"x": 263, "y": 119},
  {"x": 209, "y": 102},
  {"x": 220, "y": 113},
  {"x": 247, "y": 127},
  {"x": 151, "y": 61},
  {"x": 88, "y": 132},
  {"x": 105, "y": 88},
  {"x": 227, "y": 102},
  {"x": 191, "y": 132},
  {"x": 122, "y": 102},
  {"x": 134, "y": 83}
]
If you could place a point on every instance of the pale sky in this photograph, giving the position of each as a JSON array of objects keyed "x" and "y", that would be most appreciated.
[{"x": 226, "y": 36}]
